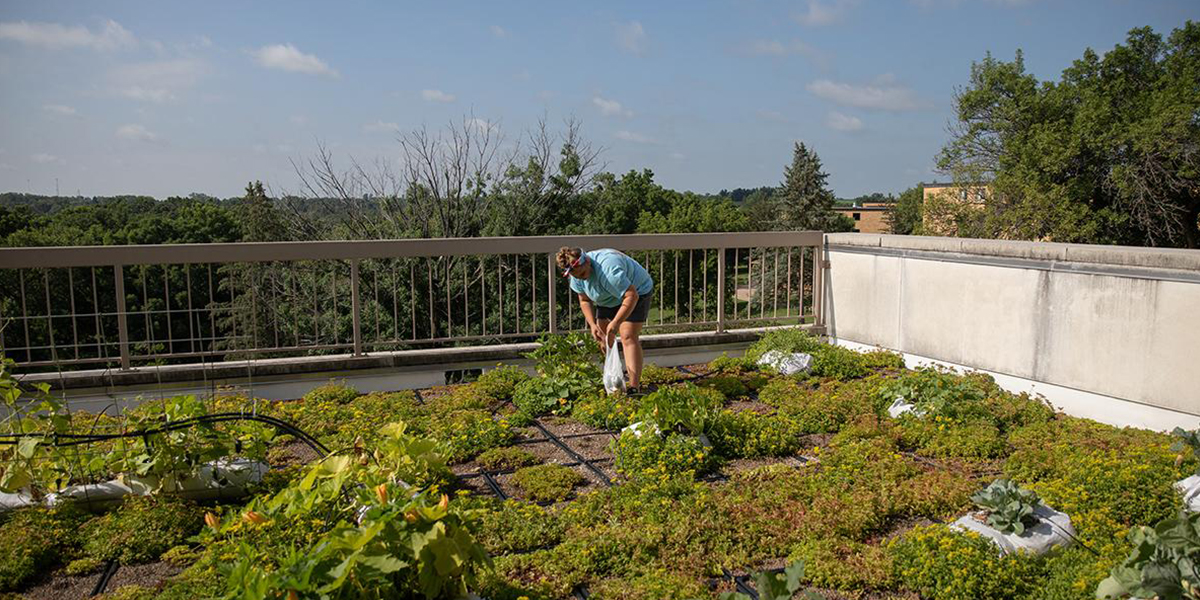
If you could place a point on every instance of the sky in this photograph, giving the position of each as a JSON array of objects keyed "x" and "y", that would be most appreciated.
[{"x": 170, "y": 98}]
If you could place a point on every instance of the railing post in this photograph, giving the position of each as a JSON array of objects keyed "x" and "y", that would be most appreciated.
[
  {"x": 550, "y": 273},
  {"x": 355, "y": 309},
  {"x": 122, "y": 322},
  {"x": 819, "y": 286},
  {"x": 721, "y": 290}
]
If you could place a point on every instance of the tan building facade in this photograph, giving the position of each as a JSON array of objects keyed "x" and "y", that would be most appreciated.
[
  {"x": 942, "y": 202},
  {"x": 868, "y": 218}
]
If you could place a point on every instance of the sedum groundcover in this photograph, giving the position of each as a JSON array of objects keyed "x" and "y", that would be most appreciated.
[{"x": 518, "y": 486}]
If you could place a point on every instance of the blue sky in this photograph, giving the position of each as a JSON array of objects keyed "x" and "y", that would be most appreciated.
[{"x": 169, "y": 98}]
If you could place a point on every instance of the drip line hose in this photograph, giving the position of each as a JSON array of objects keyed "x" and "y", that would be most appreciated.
[
  {"x": 109, "y": 570},
  {"x": 75, "y": 439}
]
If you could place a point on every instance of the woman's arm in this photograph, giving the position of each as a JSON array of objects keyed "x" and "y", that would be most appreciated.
[
  {"x": 589, "y": 315},
  {"x": 628, "y": 303}
]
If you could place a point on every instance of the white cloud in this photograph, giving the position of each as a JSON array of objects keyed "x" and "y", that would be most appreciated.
[
  {"x": 841, "y": 122},
  {"x": 678, "y": 155},
  {"x": 630, "y": 136},
  {"x": 820, "y": 14},
  {"x": 287, "y": 57},
  {"x": 157, "y": 81},
  {"x": 53, "y": 35},
  {"x": 43, "y": 159},
  {"x": 883, "y": 94},
  {"x": 498, "y": 31},
  {"x": 60, "y": 109},
  {"x": 631, "y": 38},
  {"x": 380, "y": 126},
  {"x": 611, "y": 108},
  {"x": 136, "y": 133},
  {"x": 780, "y": 49},
  {"x": 437, "y": 96}
]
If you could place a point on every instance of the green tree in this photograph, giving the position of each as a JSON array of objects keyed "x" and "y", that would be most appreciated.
[
  {"x": 261, "y": 221},
  {"x": 804, "y": 201},
  {"x": 904, "y": 217},
  {"x": 1108, "y": 154}
]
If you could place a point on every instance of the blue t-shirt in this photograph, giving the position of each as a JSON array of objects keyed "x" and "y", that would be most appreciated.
[{"x": 612, "y": 273}]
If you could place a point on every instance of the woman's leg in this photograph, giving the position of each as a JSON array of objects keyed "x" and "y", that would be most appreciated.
[
  {"x": 603, "y": 323},
  {"x": 631, "y": 341}
]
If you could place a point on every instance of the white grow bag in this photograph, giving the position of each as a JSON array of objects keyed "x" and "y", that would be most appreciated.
[
  {"x": 787, "y": 363},
  {"x": 900, "y": 406},
  {"x": 641, "y": 428},
  {"x": 217, "y": 479},
  {"x": 1190, "y": 488},
  {"x": 14, "y": 501},
  {"x": 1053, "y": 529}
]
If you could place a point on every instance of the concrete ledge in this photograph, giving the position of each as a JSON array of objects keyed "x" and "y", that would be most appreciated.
[
  {"x": 1126, "y": 256},
  {"x": 446, "y": 358}
]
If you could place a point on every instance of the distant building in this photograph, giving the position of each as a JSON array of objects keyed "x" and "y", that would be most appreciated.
[
  {"x": 943, "y": 201},
  {"x": 868, "y": 218}
]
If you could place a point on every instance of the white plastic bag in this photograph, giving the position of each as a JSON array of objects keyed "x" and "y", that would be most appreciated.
[
  {"x": 787, "y": 363},
  {"x": 614, "y": 370}
]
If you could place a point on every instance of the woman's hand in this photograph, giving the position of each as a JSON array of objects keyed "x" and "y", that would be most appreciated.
[
  {"x": 610, "y": 336},
  {"x": 598, "y": 334}
]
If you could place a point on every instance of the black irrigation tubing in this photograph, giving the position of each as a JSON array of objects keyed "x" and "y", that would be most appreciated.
[
  {"x": 573, "y": 454},
  {"x": 491, "y": 483},
  {"x": 566, "y": 437},
  {"x": 482, "y": 472},
  {"x": 109, "y": 570},
  {"x": 79, "y": 439},
  {"x": 417, "y": 395},
  {"x": 739, "y": 583},
  {"x": 581, "y": 593}
]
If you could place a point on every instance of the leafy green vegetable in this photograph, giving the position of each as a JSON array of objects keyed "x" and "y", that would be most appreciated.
[{"x": 1010, "y": 507}]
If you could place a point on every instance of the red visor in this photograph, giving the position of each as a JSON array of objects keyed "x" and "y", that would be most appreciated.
[{"x": 578, "y": 261}]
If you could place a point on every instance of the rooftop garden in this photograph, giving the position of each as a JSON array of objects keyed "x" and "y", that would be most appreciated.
[{"x": 726, "y": 478}]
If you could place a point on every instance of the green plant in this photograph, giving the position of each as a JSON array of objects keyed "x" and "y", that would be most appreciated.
[
  {"x": 573, "y": 355},
  {"x": 882, "y": 359},
  {"x": 1009, "y": 506},
  {"x": 466, "y": 433},
  {"x": 936, "y": 391},
  {"x": 950, "y": 565},
  {"x": 141, "y": 529},
  {"x": 681, "y": 408},
  {"x": 401, "y": 541},
  {"x": 500, "y": 383},
  {"x": 506, "y": 458},
  {"x": 749, "y": 434},
  {"x": 1187, "y": 440},
  {"x": 547, "y": 483},
  {"x": 514, "y": 526},
  {"x": 31, "y": 464},
  {"x": 605, "y": 411},
  {"x": 823, "y": 410},
  {"x": 837, "y": 362},
  {"x": 35, "y": 540},
  {"x": 1162, "y": 563},
  {"x": 331, "y": 393},
  {"x": 777, "y": 586},
  {"x": 940, "y": 436},
  {"x": 733, "y": 365},
  {"x": 83, "y": 566},
  {"x": 653, "y": 374},
  {"x": 181, "y": 555},
  {"x": 551, "y": 394},
  {"x": 784, "y": 340},
  {"x": 652, "y": 458},
  {"x": 729, "y": 386},
  {"x": 409, "y": 458}
]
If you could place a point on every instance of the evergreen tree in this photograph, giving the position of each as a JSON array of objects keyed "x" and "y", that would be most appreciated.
[
  {"x": 804, "y": 202},
  {"x": 261, "y": 221}
]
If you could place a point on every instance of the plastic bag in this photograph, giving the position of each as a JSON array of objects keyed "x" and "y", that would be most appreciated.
[{"x": 614, "y": 370}]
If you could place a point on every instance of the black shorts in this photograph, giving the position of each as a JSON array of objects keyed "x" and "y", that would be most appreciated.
[{"x": 606, "y": 313}]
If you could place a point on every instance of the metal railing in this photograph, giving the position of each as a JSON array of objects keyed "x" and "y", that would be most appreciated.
[{"x": 126, "y": 306}]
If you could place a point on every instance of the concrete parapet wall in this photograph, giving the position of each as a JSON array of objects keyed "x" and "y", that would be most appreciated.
[{"x": 1115, "y": 321}]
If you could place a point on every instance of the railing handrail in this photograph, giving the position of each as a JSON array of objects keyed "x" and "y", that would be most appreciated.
[{"x": 239, "y": 252}]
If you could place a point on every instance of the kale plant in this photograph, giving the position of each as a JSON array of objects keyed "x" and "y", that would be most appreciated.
[{"x": 1009, "y": 507}]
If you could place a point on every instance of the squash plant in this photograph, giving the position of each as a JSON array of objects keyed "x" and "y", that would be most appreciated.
[
  {"x": 1009, "y": 506},
  {"x": 1162, "y": 564},
  {"x": 684, "y": 408},
  {"x": 28, "y": 463},
  {"x": 777, "y": 586},
  {"x": 388, "y": 534}
]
